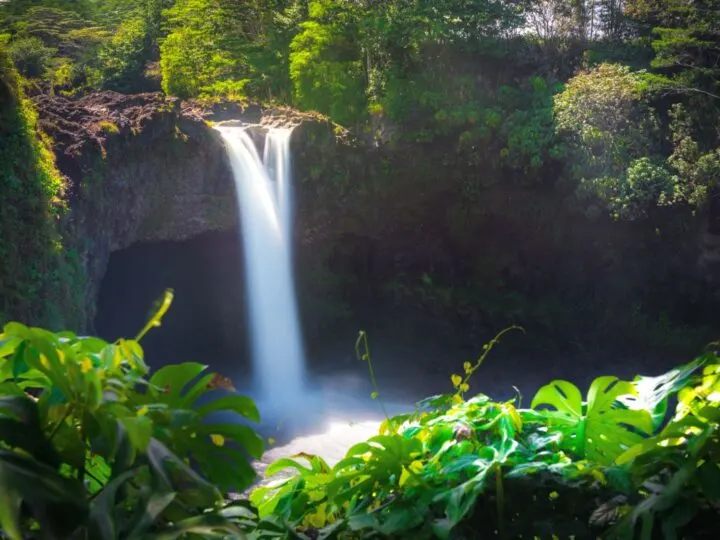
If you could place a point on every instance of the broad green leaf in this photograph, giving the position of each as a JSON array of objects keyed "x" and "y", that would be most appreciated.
[
  {"x": 91, "y": 344},
  {"x": 17, "y": 330},
  {"x": 679, "y": 516},
  {"x": 10, "y": 502},
  {"x": 149, "y": 511},
  {"x": 8, "y": 345},
  {"x": 206, "y": 525},
  {"x": 174, "y": 472},
  {"x": 103, "y": 524},
  {"x": 242, "y": 435},
  {"x": 606, "y": 429},
  {"x": 286, "y": 463},
  {"x": 564, "y": 396},
  {"x": 20, "y": 428},
  {"x": 226, "y": 467},
  {"x": 172, "y": 379},
  {"x": 652, "y": 393},
  {"x": 139, "y": 430},
  {"x": 197, "y": 390},
  {"x": 241, "y": 405},
  {"x": 708, "y": 476},
  {"x": 402, "y": 520}
]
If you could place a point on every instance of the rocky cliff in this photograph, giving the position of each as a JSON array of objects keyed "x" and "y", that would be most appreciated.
[
  {"x": 145, "y": 167},
  {"x": 412, "y": 236}
]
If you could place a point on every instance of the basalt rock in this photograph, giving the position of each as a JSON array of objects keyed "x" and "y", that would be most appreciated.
[{"x": 146, "y": 167}]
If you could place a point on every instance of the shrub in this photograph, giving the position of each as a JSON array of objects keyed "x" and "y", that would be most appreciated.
[
  {"x": 93, "y": 446},
  {"x": 31, "y": 56},
  {"x": 566, "y": 467},
  {"x": 108, "y": 127},
  {"x": 38, "y": 277}
]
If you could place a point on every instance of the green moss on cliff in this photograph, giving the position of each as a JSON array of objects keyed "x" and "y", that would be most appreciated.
[{"x": 38, "y": 278}]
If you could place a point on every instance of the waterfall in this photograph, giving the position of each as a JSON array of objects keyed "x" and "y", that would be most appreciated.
[{"x": 264, "y": 198}]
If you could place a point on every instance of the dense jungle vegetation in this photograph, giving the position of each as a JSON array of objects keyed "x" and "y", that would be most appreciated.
[
  {"x": 602, "y": 109},
  {"x": 93, "y": 446},
  {"x": 610, "y": 106}
]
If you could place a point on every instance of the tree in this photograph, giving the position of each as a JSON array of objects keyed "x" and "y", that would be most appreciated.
[
  {"x": 124, "y": 57},
  {"x": 208, "y": 43},
  {"x": 686, "y": 42},
  {"x": 327, "y": 71},
  {"x": 698, "y": 171},
  {"x": 31, "y": 57},
  {"x": 609, "y": 126}
]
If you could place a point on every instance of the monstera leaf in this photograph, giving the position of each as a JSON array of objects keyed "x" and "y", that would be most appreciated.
[
  {"x": 382, "y": 460},
  {"x": 653, "y": 392},
  {"x": 195, "y": 421},
  {"x": 599, "y": 429}
]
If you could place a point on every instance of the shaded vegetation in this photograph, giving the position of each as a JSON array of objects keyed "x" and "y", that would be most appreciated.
[
  {"x": 92, "y": 446},
  {"x": 39, "y": 279}
]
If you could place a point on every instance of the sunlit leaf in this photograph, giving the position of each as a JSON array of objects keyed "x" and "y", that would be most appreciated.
[{"x": 602, "y": 431}]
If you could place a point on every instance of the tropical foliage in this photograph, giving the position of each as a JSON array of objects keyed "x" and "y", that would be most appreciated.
[
  {"x": 38, "y": 278},
  {"x": 93, "y": 446},
  {"x": 611, "y": 107},
  {"x": 621, "y": 463}
]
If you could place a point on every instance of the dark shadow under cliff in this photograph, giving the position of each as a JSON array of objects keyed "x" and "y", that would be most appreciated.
[{"x": 206, "y": 322}]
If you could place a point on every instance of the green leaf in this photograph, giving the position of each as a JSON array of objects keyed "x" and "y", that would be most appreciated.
[
  {"x": 242, "y": 405},
  {"x": 17, "y": 330},
  {"x": 61, "y": 501},
  {"x": 102, "y": 523},
  {"x": 139, "y": 430},
  {"x": 150, "y": 510},
  {"x": 10, "y": 502},
  {"x": 564, "y": 396},
  {"x": 681, "y": 514},
  {"x": 286, "y": 463},
  {"x": 174, "y": 472},
  {"x": 402, "y": 520},
  {"x": 242, "y": 435},
  {"x": 20, "y": 428},
  {"x": 652, "y": 393},
  {"x": 226, "y": 467},
  {"x": 208, "y": 525},
  {"x": 171, "y": 380},
  {"x": 200, "y": 388},
  {"x": 606, "y": 429},
  {"x": 708, "y": 476},
  {"x": 91, "y": 344},
  {"x": 8, "y": 345}
]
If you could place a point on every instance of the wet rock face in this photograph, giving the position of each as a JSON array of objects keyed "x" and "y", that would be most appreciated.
[
  {"x": 145, "y": 167},
  {"x": 138, "y": 170}
]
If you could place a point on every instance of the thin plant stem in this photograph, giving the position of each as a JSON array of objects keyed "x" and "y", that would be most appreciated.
[
  {"x": 362, "y": 340},
  {"x": 463, "y": 385}
]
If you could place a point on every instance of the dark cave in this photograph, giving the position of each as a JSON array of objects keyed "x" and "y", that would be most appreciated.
[{"x": 206, "y": 322}]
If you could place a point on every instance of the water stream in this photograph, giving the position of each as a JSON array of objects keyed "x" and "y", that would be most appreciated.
[{"x": 264, "y": 195}]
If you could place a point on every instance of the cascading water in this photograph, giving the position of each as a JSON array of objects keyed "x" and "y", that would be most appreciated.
[{"x": 265, "y": 204}]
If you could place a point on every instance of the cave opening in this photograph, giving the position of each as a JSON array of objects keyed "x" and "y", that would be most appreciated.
[{"x": 207, "y": 320}]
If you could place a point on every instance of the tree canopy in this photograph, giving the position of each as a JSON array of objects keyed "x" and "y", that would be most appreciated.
[{"x": 593, "y": 87}]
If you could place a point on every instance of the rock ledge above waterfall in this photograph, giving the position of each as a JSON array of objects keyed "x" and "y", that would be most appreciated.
[{"x": 148, "y": 167}]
